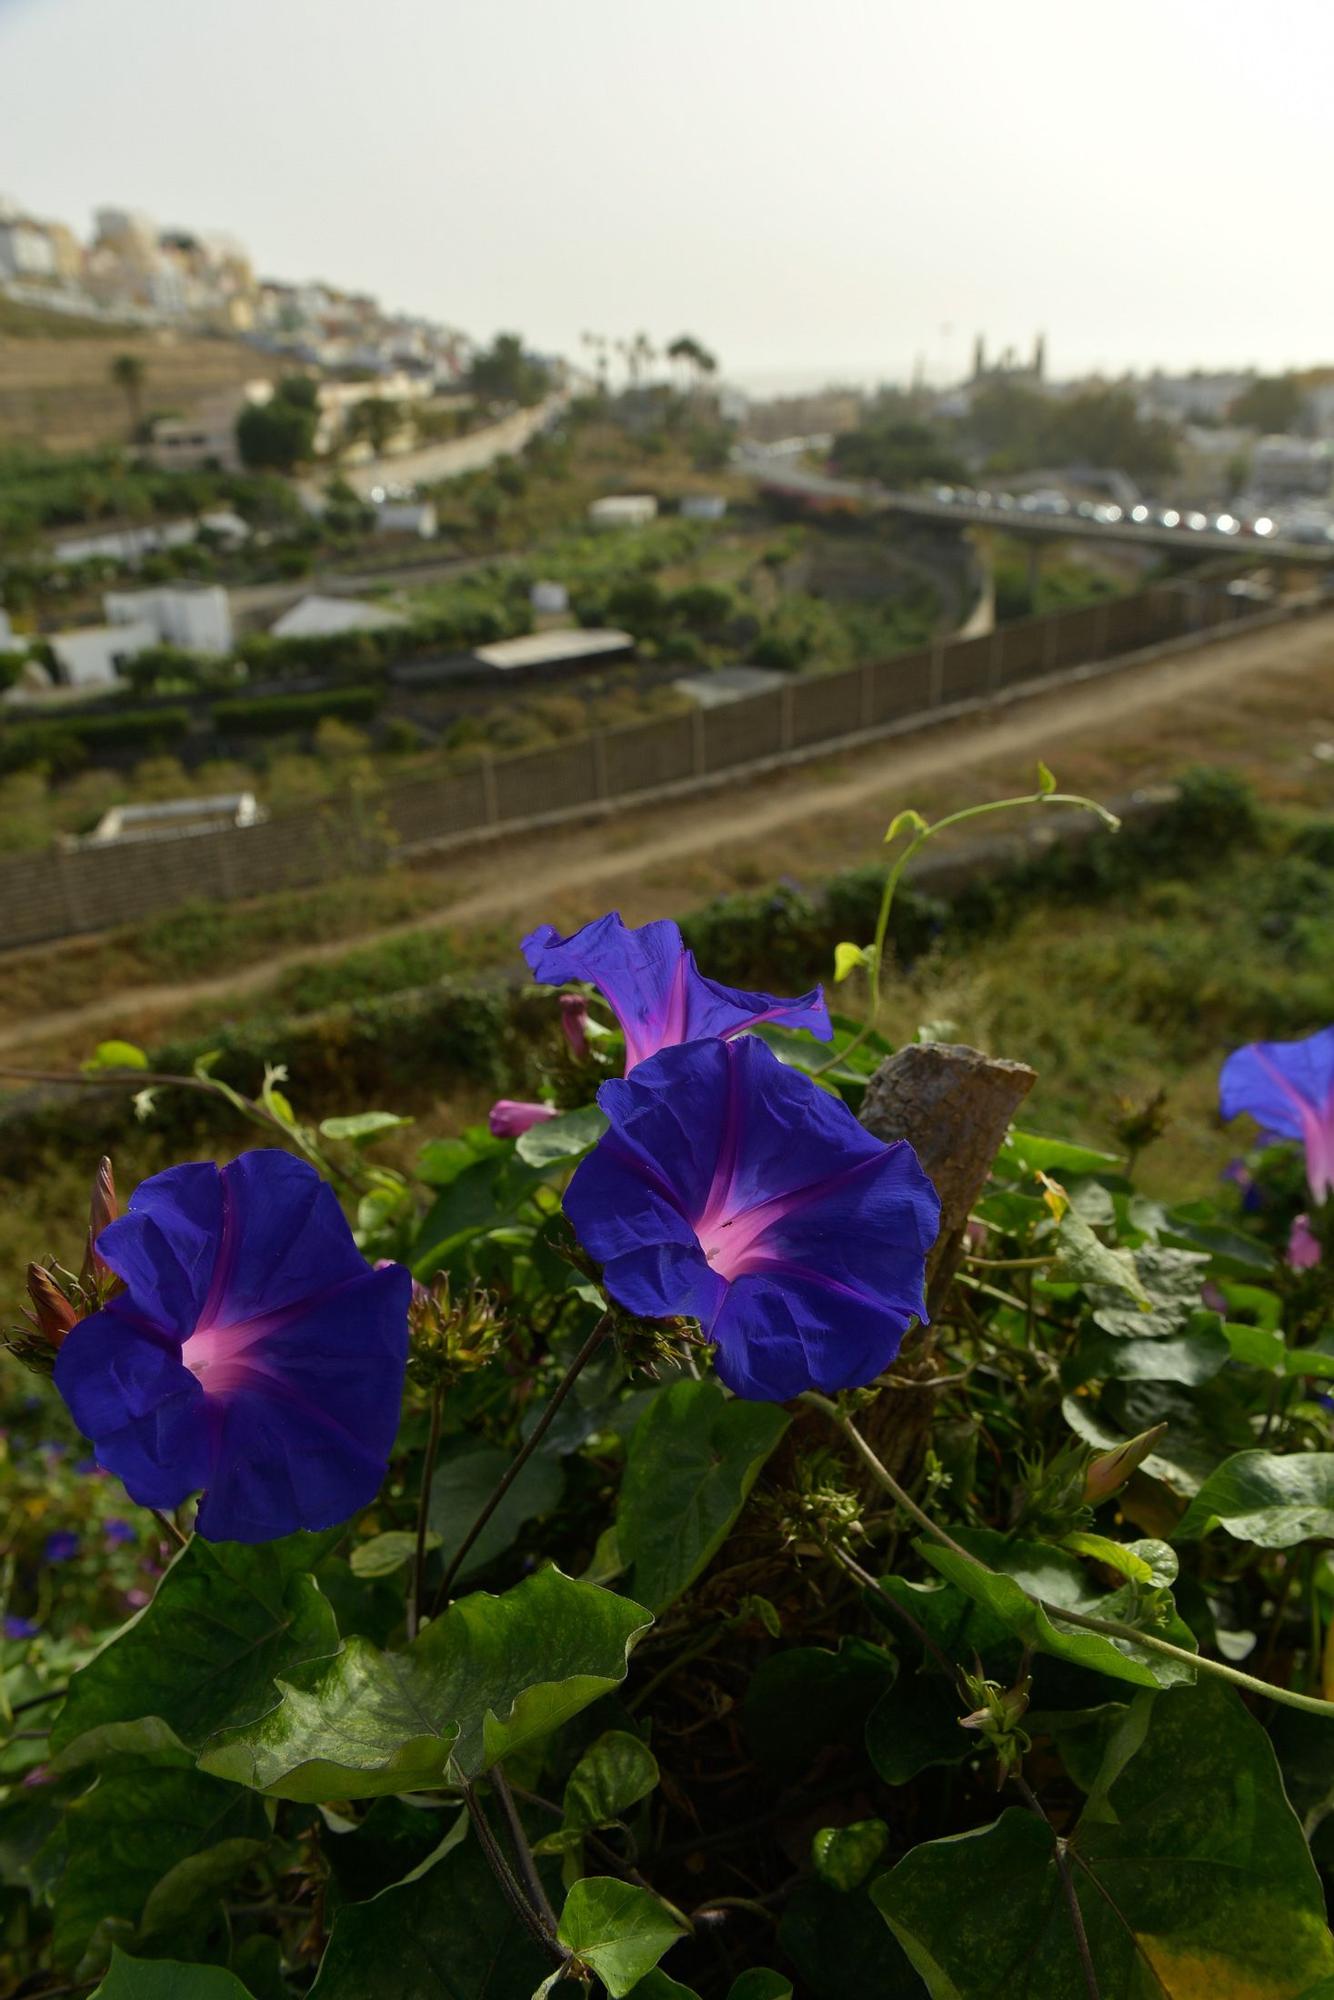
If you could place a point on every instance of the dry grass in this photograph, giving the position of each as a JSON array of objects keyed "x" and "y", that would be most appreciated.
[{"x": 58, "y": 392}]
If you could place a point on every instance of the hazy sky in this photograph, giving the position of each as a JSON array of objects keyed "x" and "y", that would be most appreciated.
[{"x": 815, "y": 187}]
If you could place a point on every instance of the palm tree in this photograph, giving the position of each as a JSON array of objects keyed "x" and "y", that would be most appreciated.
[{"x": 127, "y": 372}]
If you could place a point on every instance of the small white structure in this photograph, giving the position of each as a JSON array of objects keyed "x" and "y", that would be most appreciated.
[
  {"x": 407, "y": 517},
  {"x": 90, "y": 657},
  {"x": 8, "y": 643},
  {"x": 197, "y": 617},
  {"x": 728, "y": 684},
  {"x": 124, "y": 545},
  {"x": 554, "y": 649},
  {"x": 208, "y": 436},
  {"x": 548, "y": 598},
  {"x": 623, "y": 510},
  {"x": 703, "y": 506},
  {"x": 318, "y": 617},
  {"x": 175, "y": 819},
  {"x": 228, "y": 527},
  {"x": 1284, "y": 467}
]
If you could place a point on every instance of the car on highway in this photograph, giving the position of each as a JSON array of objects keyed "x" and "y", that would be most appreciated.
[
  {"x": 1195, "y": 521},
  {"x": 1046, "y": 500},
  {"x": 1140, "y": 515},
  {"x": 1225, "y": 524},
  {"x": 1166, "y": 517}
]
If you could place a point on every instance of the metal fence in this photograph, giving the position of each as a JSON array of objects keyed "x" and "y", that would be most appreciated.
[{"x": 61, "y": 892}]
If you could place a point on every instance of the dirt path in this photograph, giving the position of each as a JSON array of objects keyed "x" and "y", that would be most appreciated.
[{"x": 1266, "y": 696}]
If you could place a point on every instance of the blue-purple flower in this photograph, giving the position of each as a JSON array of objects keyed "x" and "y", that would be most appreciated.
[
  {"x": 19, "y": 1628},
  {"x": 733, "y": 1190},
  {"x": 656, "y": 991},
  {"x": 119, "y": 1534},
  {"x": 1288, "y": 1088},
  {"x": 254, "y": 1354},
  {"x": 61, "y": 1547}
]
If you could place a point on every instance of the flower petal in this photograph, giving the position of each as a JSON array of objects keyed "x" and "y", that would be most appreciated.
[
  {"x": 166, "y": 1244},
  {"x": 128, "y": 1392},
  {"x": 285, "y": 1239}
]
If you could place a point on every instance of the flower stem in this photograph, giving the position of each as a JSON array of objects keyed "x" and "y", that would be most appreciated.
[
  {"x": 523, "y": 1853},
  {"x": 524, "y": 1453},
  {"x": 504, "y": 1874},
  {"x": 1034, "y": 1804},
  {"x": 169, "y": 1528},
  {"x": 1109, "y": 1627},
  {"x": 423, "y": 1516}
]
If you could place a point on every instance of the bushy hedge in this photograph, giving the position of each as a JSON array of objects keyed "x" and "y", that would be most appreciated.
[
  {"x": 272, "y": 715},
  {"x": 63, "y": 745}
]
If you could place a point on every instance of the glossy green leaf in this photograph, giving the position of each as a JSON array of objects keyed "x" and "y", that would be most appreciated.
[
  {"x": 614, "y": 1773},
  {"x": 450, "y": 1935},
  {"x": 465, "y": 1481},
  {"x": 1083, "y": 1259},
  {"x": 841, "y": 1949},
  {"x": 1191, "y": 1355},
  {"x": 226, "y": 1620},
  {"x": 657, "y": 1985},
  {"x": 180, "y": 1909},
  {"x": 1265, "y": 1498},
  {"x": 1030, "y": 1571},
  {"x": 843, "y": 1856},
  {"x": 381, "y": 1555},
  {"x": 693, "y": 1458},
  {"x": 117, "y": 1055},
  {"x": 1192, "y": 1875},
  {"x": 1170, "y": 1282},
  {"x": 120, "y": 1839},
  {"x": 567, "y": 1137},
  {"x": 1029, "y": 1153},
  {"x": 167, "y": 1979},
  {"x": 849, "y": 958},
  {"x": 760, "y": 1984},
  {"x": 362, "y": 1125},
  {"x": 487, "y": 1677},
  {"x": 617, "y": 1930},
  {"x": 915, "y": 1724}
]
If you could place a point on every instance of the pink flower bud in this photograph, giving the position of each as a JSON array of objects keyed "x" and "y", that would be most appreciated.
[
  {"x": 573, "y": 1016},
  {"x": 1109, "y": 1471},
  {"x": 52, "y": 1313},
  {"x": 509, "y": 1118},
  {"x": 1303, "y": 1250}
]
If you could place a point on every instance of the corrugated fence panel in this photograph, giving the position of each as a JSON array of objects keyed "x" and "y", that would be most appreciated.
[
  {"x": 742, "y": 732},
  {"x": 32, "y": 900},
  {"x": 1021, "y": 651},
  {"x": 901, "y": 686},
  {"x": 546, "y": 781},
  {"x": 643, "y": 755},
  {"x": 825, "y": 706},
  {"x": 967, "y": 668},
  {"x": 1077, "y": 635}
]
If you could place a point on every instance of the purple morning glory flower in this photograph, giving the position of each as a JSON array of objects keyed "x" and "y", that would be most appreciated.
[
  {"x": 1288, "y": 1088},
  {"x": 735, "y": 1191},
  {"x": 656, "y": 991},
  {"x": 61, "y": 1546},
  {"x": 119, "y": 1532},
  {"x": 254, "y": 1353},
  {"x": 20, "y": 1628},
  {"x": 509, "y": 1117},
  {"x": 1303, "y": 1252}
]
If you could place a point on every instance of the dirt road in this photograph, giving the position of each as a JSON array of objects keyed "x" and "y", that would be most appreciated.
[{"x": 1262, "y": 703}]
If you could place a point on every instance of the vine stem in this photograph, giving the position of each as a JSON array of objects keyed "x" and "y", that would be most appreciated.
[
  {"x": 532, "y": 1922},
  {"x": 524, "y": 1453},
  {"x": 1110, "y": 1628},
  {"x": 523, "y": 1853},
  {"x": 169, "y": 1528},
  {"x": 1071, "y": 1894},
  {"x": 423, "y": 1516}
]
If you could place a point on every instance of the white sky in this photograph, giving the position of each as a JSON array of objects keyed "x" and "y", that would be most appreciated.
[{"x": 817, "y": 188}]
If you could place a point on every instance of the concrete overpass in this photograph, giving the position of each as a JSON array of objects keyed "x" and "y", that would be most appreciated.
[{"x": 822, "y": 493}]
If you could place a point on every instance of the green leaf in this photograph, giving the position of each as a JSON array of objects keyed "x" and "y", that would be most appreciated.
[
  {"x": 617, "y": 1930},
  {"x": 1150, "y": 1562},
  {"x": 180, "y": 1909},
  {"x": 1192, "y": 1875},
  {"x": 1033, "y": 1570},
  {"x": 167, "y": 1979},
  {"x": 381, "y": 1555},
  {"x": 1193, "y": 1354},
  {"x": 658, "y": 1985},
  {"x": 449, "y": 1935},
  {"x": 362, "y": 1125},
  {"x": 612, "y": 1775},
  {"x": 116, "y": 1055},
  {"x": 907, "y": 821},
  {"x": 1084, "y": 1260},
  {"x": 1259, "y": 1347},
  {"x": 809, "y": 1699},
  {"x": 136, "y": 1824},
  {"x": 760, "y": 1984},
  {"x": 843, "y": 1856},
  {"x": 915, "y": 1725},
  {"x": 227, "y": 1619},
  {"x": 841, "y": 1949},
  {"x": 1027, "y": 1153},
  {"x": 1170, "y": 1283},
  {"x": 463, "y": 1484},
  {"x": 487, "y": 1677},
  {"x": 1046, "y": 782},
  {"x": 693, "y": 1458},
  {"x": 1262, "y": 1497},
  {"x": 849, "y": 958},
  {"x": 565, "y": 1138}
]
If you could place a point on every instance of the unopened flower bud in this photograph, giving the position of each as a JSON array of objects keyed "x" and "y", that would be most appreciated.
[
  {"x": 102, "y": 1209},
  {"x": 52, "y": 1313},
  {"x": 573, "y": 1017},
  {"x": 1108, "y": 1472},
  {"x": 509, "y": 1118}
]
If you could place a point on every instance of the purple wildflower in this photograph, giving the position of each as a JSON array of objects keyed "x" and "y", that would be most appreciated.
[
  {"x": 61, "y": 1547},
  {"x": 253, "y": 1354},
  {"x": 509, "y": 1117},
  {"x": 118, "y": 1533},
  {"x": 733, "y": 1190},
  {"x": 656, "y": 991},
  {"x": 20, "y": 1628},
  {"x": 1288, "y": 1088}
]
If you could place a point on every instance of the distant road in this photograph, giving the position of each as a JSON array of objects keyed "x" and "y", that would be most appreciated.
[{"x": 444, "y": 461}]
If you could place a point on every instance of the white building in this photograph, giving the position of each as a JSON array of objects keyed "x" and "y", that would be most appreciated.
[
  {"x": 175, "y": 819},
  {"x": 318, "y": 617},
  {"x": 1285, "y": 467},
  {"x": 208, "y": 436},
  {"x": 703, "y": 506},
  {"x": 407, "y": 517},
  {"x": 623, "y": 510},
  {"x": 123, "y": 545},
  {"x": 92, "y": 656},
  {"x": 26, "y": 249},
  {"x": 197, "y": 617},
  {"x": 549, "y": 599}
]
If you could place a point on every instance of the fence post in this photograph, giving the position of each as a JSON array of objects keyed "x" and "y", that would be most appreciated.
[
  {"x": 490, "y": 801},
  {"x": 996, "y": 659},
  {"x": 1050, "y": 627},
  {"x": 699, "y": 762},
  {"x": 936, "y": 691},
  {"x": 786, "y": 721},
  {"x": 868, "y": 693},
  {"x": 1100, "y": 622},
  {"x": 69, "y": 890}
]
